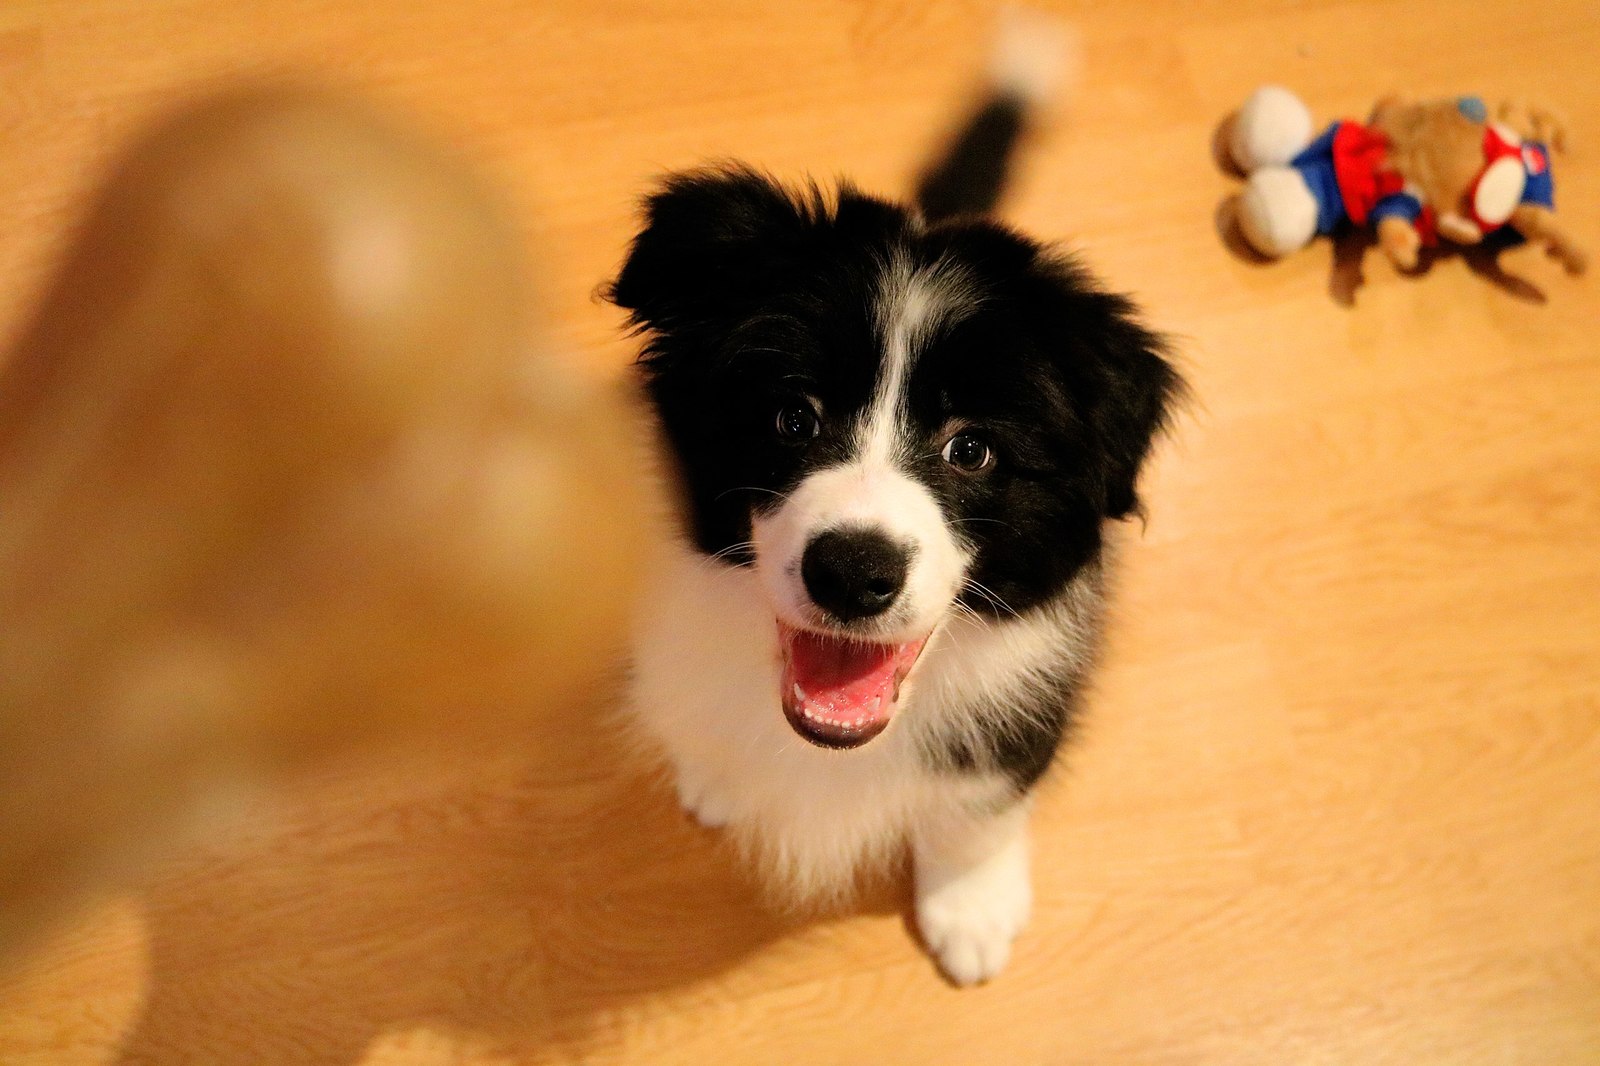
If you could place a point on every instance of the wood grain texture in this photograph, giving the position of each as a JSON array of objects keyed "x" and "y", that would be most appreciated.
[{"x": 1338, "y": 800}]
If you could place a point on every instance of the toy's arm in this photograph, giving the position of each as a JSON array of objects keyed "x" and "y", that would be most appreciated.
[
  {"x": 1538, "y": 224},
  {"x": 1534, "y": 123},
  {"x": 1395, "y": 219},
  {"x": 1400, "y": 241}
]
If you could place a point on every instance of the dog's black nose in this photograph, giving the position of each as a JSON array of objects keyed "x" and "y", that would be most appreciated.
[{"x": 854, "y": 573}]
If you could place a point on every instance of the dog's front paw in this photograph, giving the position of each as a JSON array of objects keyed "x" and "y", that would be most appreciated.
[
  {"x": 969, "y": 920},
  {"x": 704, "y": 802}
]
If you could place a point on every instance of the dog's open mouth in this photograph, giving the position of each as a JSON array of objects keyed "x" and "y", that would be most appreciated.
[{"x": 838, "y": 692}]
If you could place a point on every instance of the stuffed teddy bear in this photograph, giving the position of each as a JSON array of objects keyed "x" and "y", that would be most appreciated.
[{"x": 1416, "y": 172}]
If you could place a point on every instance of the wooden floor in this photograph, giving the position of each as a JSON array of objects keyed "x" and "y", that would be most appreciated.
[{"x": 1338, "y": 800}]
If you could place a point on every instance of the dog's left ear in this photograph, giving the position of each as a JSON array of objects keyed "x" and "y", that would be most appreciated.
[
  {"x": 712, "y": 242},
  {"x": 1136, "y": 392},
  {"x": 1117, "y": 370}
]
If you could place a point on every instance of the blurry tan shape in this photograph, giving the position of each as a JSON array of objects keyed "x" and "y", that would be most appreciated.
[
  {"x": 280, "y": 476},
  {"x": 1534, "y": 122},
  {"x": 1538, "y": 224},
  {"x": 1400, "y": 241}
]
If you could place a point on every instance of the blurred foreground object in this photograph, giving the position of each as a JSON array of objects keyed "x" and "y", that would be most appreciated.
[{"x": 282, "y": 476}]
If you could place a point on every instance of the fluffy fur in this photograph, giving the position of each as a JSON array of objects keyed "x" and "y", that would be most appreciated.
[{"x": 839, "y": 365}]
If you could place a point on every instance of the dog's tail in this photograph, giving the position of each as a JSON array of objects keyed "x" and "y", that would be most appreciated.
[{"x": 1032, "y": 61}]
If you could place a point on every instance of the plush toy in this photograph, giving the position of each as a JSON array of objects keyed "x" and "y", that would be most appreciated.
[{"x": 1415, "y": 172}]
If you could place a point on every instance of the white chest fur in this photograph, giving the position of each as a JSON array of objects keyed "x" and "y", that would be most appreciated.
[{"x": 705, "y": 686}]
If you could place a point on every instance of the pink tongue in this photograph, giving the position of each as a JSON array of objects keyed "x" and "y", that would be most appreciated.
[{"x": 841, "y": 679}]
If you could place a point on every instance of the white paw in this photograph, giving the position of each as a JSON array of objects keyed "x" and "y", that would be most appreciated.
[
  {"x": 969, "y": 921},
  {"x": 704, "y": 802}
]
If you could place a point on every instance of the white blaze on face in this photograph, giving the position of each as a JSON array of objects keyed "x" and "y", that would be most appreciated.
[{"x": 872, "y": 491}]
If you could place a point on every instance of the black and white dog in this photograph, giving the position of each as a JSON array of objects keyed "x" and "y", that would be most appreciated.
[{"x": 899, "y": 432}]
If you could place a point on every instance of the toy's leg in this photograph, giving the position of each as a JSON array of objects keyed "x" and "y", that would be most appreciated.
[
  {"x": 1270, "y": 129},
  {"x": 1277, "y": 211},
  {"x": 1538, "y": 224},
  {"x": 1400, "y": 241}
]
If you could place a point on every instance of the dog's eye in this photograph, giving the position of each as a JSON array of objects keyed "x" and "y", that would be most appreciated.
[
  {"x": 797, "y": 421},
  {"x": 968, "y": 452}
]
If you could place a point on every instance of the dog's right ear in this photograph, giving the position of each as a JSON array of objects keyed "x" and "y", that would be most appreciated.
[{"x": 713, "y": 241}]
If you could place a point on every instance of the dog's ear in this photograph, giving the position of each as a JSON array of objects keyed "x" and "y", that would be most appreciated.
[
  {"x": 1117, "y": 371},
  {"x": 713, "y": 241},
  {"x": 1138, "y": 388}
]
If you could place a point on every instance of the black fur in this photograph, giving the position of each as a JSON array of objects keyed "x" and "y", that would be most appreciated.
[
  {"x": 1024, "y": 741},
  {"x": 970, "y": 175},
  {"x": 753, "y": 297}
]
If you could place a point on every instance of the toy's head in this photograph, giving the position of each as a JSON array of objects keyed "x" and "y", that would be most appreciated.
[{"x": 1470, "y": 169}]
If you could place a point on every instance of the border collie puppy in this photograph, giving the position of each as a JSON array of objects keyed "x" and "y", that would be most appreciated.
[{"x": 899, "y": 433}]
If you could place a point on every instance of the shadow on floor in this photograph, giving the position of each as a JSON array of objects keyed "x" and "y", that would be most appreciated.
[{"x": 511, "y": 906}]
